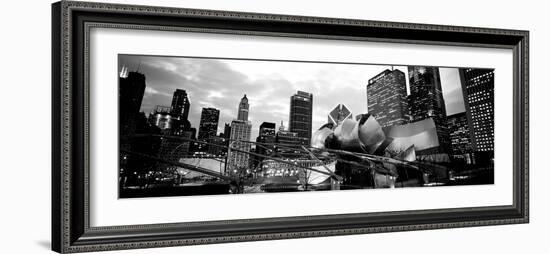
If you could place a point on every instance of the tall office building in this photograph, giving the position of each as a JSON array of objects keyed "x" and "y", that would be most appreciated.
[
  {"x": 461, "y": 142},
  {"x": 179, "y": 111},
  {"x": 239, "y": 144},
  {"x": 426, "y": 101},
  {"x": 208, "y": 126},
  {"x": 301, "y": 116},
  {"x": 266, "y": 137},
  {"x": 180, "y": 104},
  {"x": 237, "y": 158},
  {"x": 339, "y": 114},
  {"x": 478, "y": 92},
  {"x": 387, "y": 98},
  {"x": 242, "y": 113},
  {"x": 131, "y": 88}
]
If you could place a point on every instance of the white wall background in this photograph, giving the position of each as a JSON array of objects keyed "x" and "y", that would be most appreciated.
[{"x": 25, "y": 126}]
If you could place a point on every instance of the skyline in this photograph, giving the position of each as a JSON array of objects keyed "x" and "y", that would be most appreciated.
[{"x": 268, "y": 85}]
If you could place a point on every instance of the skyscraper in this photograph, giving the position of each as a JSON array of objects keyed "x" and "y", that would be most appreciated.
[
  {"x": 243, "y": 109},
  {"x": 426, "y": 101},
  {"x": 131, "y": 88},
  {"x": 208, "y": 126},
  {"x": 339, "y": 114},
  {"x": 180, "y": 104},
  {"x": 478, "y": 92},
  {"x": 179, "y": 111},
  {"x": 387, "y": 98},
  {"x": 301, "y": 116},
  {"x": 237, "y": 158},
  {"x": 460, "y": 132}
]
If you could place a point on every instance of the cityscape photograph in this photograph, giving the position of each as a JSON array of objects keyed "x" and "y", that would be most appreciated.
[{"x": 210, "y": 126}]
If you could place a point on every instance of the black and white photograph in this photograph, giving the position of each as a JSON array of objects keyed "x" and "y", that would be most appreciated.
[
  {"x": 203, "y": 126},
  {"x": 269, "y": 127}
]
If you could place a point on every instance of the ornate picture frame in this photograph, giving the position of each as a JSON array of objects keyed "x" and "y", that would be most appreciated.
[{"x": 71, "y": 24}]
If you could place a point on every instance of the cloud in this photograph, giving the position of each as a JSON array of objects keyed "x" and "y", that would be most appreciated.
[{"x": 268, "y": 85}]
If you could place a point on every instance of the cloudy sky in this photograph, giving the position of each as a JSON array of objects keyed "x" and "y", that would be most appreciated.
[{"x": 221, "y": 83}]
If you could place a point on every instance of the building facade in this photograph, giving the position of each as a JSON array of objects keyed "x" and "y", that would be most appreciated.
[
  {"x": 387, "y": 98},
  {"x": 131, "y": 88},
  {"x": 460, "y": 133},
  {"x": 239, "y": 141},
  {"x": 161, "y": 118},
  {"x": 180, "y": 104},
  {"x": 339, "y": 114},
  {"x": 301, "y": 116},
  {"x": 426, "y": 101},
  {"x": 478, "y": 92},
  {"x": 239, "y": 145},
  {"x": 179, "y": 110},
  {"x": 208, "y": 126},
  {"x": 266, "y": 137}
]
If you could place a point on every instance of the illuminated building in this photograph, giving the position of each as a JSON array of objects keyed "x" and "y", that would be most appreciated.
[
  {"x": 208, "y": 125},
  {"x": 161, "y": 118},
  {"x": 387, "y": 98},
  {"x": 478, "y": 90},
  {"x": 339, "y": 114},
  {"x": 426, "y": 101},
  {"x": 460, "y": 132},
  {"x": 179, "y": 110},
  {"x": 265, "y": 143},
  {"x": 301, "y": 115},
  {"x": 180, "y": 104},
  {"x": 266, "y": 137}
]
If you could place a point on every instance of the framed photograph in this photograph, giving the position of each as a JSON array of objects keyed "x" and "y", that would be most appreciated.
[{"x": 182, "y": 126}]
